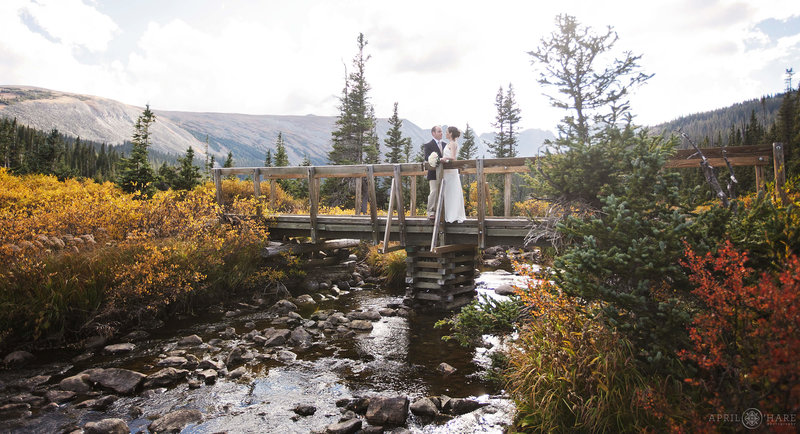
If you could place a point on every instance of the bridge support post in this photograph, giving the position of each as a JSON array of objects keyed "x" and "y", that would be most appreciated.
[{"x": 443, "y": 279}]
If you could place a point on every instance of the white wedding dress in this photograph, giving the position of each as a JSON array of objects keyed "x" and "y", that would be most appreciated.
[{"x": 453, "y": 194}]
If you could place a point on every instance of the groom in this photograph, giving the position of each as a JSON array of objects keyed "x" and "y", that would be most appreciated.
[{"x": 434, "y": 145}]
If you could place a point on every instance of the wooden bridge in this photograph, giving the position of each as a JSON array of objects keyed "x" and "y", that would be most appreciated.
[{"x": 442, "y": 256}]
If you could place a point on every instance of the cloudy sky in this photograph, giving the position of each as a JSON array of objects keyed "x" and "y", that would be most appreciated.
[{"x": 442, "y": 61}]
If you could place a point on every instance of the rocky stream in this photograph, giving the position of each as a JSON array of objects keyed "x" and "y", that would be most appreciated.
[{"x": 341, "y": 360}]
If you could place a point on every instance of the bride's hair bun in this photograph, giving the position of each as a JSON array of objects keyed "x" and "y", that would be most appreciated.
[{"x": 454, "y": 133}]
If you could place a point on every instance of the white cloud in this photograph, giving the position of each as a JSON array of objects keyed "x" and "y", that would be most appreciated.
[{"x": 73, "y": 23}]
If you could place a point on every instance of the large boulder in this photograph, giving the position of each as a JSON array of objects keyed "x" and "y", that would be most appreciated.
[
  {"x": 190, "y": 341},
  {"x": 459, "y": 406},
  {"x": 300, "y": 336},
  {"x": 107, "y": 426},
  {"x": 274, "y": 337},
  {"x": 282, "y": 307},
  {"x": 387, "y": 411},
  {"x": 175, "y": 421},
  {"x": 424, "y": 407},
  {"x": 173, "y": 361},
  {"x": 122, "y": 381},
  {"x": 504, "y": 289},
  {"x": 361, "y": 325}
]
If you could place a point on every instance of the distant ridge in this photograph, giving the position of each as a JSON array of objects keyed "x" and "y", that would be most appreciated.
[{"x": 247, "y": 136}]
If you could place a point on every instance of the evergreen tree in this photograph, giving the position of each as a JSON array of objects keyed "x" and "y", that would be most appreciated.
[
  {"x": 166, "y": 177},
  {"x": 188, "y": 175},
  {"x": 468, "y": 147},
  {"x": 398, "y": 146},
  {"x": 597, "y": 95},
  {"x": 281, "y": 158},
  {"x": 229, "y": 160},
  {"x": 136, "y": 174},
  {"x": 508, "y": 116},
  {"x": 269, "y": 159},
  {"x": 355, "y": 140}
]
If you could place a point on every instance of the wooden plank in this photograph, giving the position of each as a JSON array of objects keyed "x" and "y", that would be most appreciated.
[
  {"x": 314, "y": 204},
  {"x": 373, "y": 203},
  {"x": 462, "y": 289},
  {"x": 218, "y": 184},
  {"x": 507, "y": 195},
  {"x": 401, "y": 210},
  {"x": 760, "y": 178},
  {"x": 459, "y": 279},
  {"x": 427, "y": 296},
  {"x": 481, "y": 180},
  {"x": 455, "y": 248},
  {"x": 309, "y": 247},
  {"x": 718, "y": 162},
  {"x": 273, "y": 191},
  {"x": 427, "y": 285},
  {"x": 357, "y": 205},
  {"x": 439, "y": 208},
  {"x": 389, "y": 217},
  {"x": 731, "y": 151},
  {"x": 780, "y": 172},
  {"x": 256, "y": 183},
  {"x": 413, "y": 205}
]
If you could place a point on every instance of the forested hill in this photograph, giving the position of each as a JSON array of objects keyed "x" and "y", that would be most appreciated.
[{"x": 717, "y": 126}]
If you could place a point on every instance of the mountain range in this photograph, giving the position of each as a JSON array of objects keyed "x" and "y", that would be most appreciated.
[{"x": 247, "y": 137}]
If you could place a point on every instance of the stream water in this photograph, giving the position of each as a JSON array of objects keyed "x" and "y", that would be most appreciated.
[{"x": 399, "y": 356}]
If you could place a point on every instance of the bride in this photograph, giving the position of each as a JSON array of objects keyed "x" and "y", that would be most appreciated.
[{"x": 453, "y": 195}]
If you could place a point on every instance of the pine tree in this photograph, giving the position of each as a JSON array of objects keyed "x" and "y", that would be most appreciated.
[
  {"x": 281, "y": 159},
  {"x": 398, "y": 146},
  {"x": 229, "y": 160},
  {"x": 596, "y": 95},
  {"x": 136, "y": 174},
  {"x": 508, "y": 116},
  {"x": 355, "y": 140},
  {"x": 188, "y": 175},
  {"x": 269, "y": 159},
  {"x": 468, "y": 147}
]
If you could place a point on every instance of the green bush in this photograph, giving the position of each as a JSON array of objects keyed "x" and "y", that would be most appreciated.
[{"x": 483, "y": 316}]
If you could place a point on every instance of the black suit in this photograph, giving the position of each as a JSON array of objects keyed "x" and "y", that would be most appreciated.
[{"x": 430, "y": 148}]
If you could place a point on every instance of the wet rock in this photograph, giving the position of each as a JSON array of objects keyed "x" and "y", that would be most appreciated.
[
  {"x": 493, "y": 263},
  {"x": 369, "y": 315},
  {"x": 251, "y": 336},
  {"x": 250, "y": 325},
  {"x": 275, "y": 337},
  {"x": 300, "y": 336},
  {"x": 445, "y": 369},
  {"x": 172, "y": 361},
  {"x": 15, "y": 411},
  {"x": 286, "y": 356},
  {"x": 107, "y": 426},
  {"x": 459, "y": 406},
  {"x": 82, "y": 357},
  {"x": 229, "y": 333},
  {"x": 211, "y": 364},
  {"x": 344, "y": 285},
  {"x": 165, "y": 377},
  {"x": 305, "y": 410},
  {"x": 387, "y": 411},
  {"x": 504, "y": 289},
  {"x": 28, "y": 384},
  {"x": 194, "y": 384},
  {"x": 97, "y": 404},
  {"x": 424, "y": 407},
  {"x": 175, "y": 421},
  {"x": 119, "y": 348},
  {"x": 233, "y": 313},
  {"x": 493, "y": 251},
  {"x": 237, "y": 373},
  {"x": 191, "y": 361},
  {"x": 59, "y": 396},
  {"x": 282, "y": 307},
  {"x": 324, "y": 286},
  {"x": 122, "y": 381},
  {"x": 208, "y": 376},
  {"x": 236, "y": 356},
  {"x": 361, "y": 325},
  {"x": 346, "y": 427},
  {"x": 77, "y": 383},
  {"x": 33, "y": 400},
  {"x": 18, "y": 358},
  {"x": 136, "y": 335},
  {"x": 370, "y": 429},
  {"x": 305, "y": 299},
  {"x": 190, "y": 341},
  {"x": 385, "y": 311},
  {"x": 357, "y": 405}
]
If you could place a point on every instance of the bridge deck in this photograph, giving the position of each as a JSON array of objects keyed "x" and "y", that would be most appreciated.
[{"x": 419, "y": 230}]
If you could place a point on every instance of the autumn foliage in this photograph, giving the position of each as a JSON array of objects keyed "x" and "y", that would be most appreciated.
[{"x": 745, "y": 338}]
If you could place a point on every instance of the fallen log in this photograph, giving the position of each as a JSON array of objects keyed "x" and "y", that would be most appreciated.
[{"x": 295, "y": 249}]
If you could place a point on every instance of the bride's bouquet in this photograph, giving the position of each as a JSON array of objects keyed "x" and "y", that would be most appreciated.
[{"x": 433, "y": 159}]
